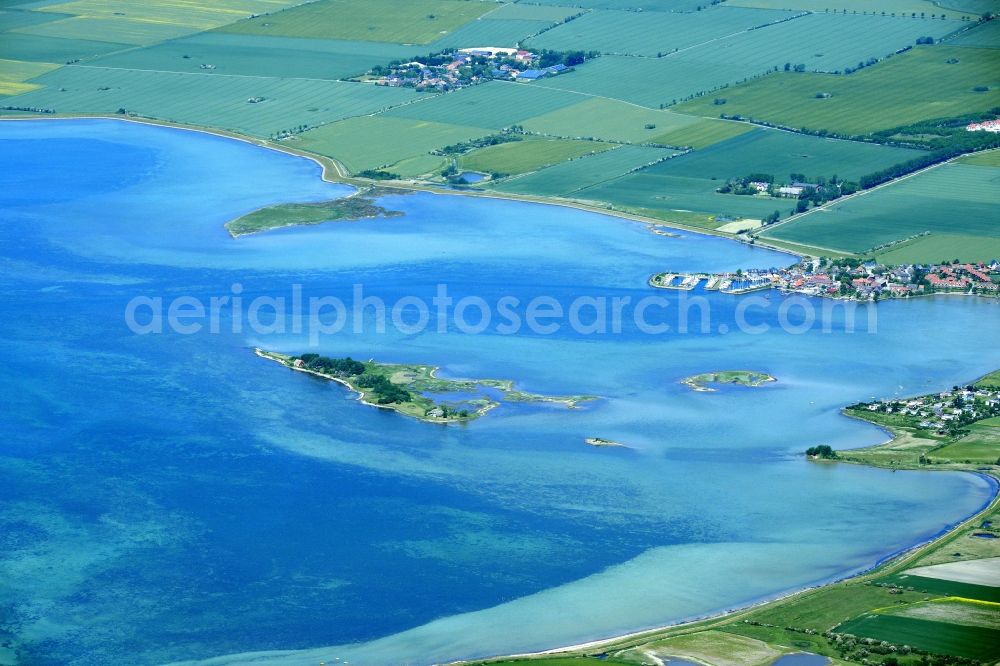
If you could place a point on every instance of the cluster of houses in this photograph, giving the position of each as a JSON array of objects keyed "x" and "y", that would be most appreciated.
[
  {"x": 873, "y": 281},
  {"x": 467, "y": 67},
  {"x": 793, "y": 191},
  {"x": 985, "y": 126},
  {"x": 945, "y": 411}
]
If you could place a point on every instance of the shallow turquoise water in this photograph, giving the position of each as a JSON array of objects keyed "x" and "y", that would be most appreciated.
[{"x": 173, "y": 497}]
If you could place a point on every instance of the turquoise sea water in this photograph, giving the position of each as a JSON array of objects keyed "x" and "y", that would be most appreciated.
[{"x": 172, "y": 497}]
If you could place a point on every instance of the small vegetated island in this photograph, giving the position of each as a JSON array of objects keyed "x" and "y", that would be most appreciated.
[
  {"x": 415, "y": 390},
  {"x": 748, "y": 378},
  {"x": 601, "y": 442},
  {"x": 358, "y": 206}
]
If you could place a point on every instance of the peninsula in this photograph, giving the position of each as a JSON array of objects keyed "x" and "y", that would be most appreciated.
[
  {"x": 748, "y": 378},
  {"x": 358, "y": 206},
  {"x": 416, "y": 390},
  {"x": 948, "y": 429}
]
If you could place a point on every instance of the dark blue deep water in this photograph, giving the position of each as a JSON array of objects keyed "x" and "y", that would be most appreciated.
[{"x": 168, "y": 497}]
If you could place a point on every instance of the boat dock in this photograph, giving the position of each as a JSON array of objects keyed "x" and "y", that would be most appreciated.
[
  {"x": 683, "y": 281},
  {"x": 726, "y": 283}
]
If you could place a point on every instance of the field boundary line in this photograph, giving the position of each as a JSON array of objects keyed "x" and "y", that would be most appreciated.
[
  {"x": 829, "y": 204},
  {"x": 233, "y": 76}
]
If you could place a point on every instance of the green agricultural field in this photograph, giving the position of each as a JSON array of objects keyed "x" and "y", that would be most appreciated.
[
  {"x": 420, "y": 166},
  {"x": 119, "y": 30},
  {"x": 713, "y": 647},
  {"x": 991, "y": 380},
  {"x": 567, "y": 178},
  {"x": 209, "y": 99},
  {"x": 523, "y": 156},
  {"x": 400, "y": 21},
  {"x": 936, "y": 586},
  {"x": 979, "y": 7},
  {"x": 492, "y": 105},
  {"x": 370, "y": 142},
  {"x": 644, "y": 5},
  {"x": 824, "y": 609},
  {"x": 486, "y": 31},
  {"x": 702, "y": 134},
  {"x": 194, "y": 15},
  {"x": 986, "y": 158},
  {"x": 939, "y": 637},
  {"x": 916, "y": 85},
  {"x": 941, "y": 245},
  {"x": 601, "y": 118},
  {"x": 899, "y": 7},
  {"x": 535, "y": 12},
  {"x": 664, "y": 196},
  {"x": 257, "y": 55},
  {"x": 15, "y": 46},
  {"x": 688, "y": 183},
  {"x": 953, "y": 611},
  {"x": 507, "y": 25},
  {"x": 20, "y": 70},
  {"x": 649, "y": 82},
  {"x": 820, "y": 42},
  {"x": 9, "y": 20},
  {"x": 986, "y": 35},
  {"x": 955, "y": 203},
  {"x": 981, "y": 445},
  {"x": 783, "y": 153},
  {"x": 651, "y": 33},
  {"x": 14, "y": 73}
]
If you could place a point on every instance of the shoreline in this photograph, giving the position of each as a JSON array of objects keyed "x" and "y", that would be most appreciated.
[
  {"x": 635, "y": 639},
  {"x": 892, "y": 560},
  {"x": 328, "y": 164},
  {"x": 482, "y": 411},
  {"x": 887, "y": 564}
]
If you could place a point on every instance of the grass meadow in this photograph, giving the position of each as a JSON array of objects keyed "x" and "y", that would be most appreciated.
[{"x": 981, "y": 445}]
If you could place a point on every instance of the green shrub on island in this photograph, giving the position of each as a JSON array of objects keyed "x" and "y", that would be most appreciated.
[
  {"x": 823, "y": 451},
  {"x": 383, "y": 390},
  {"x": 341, "y": 367}
]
